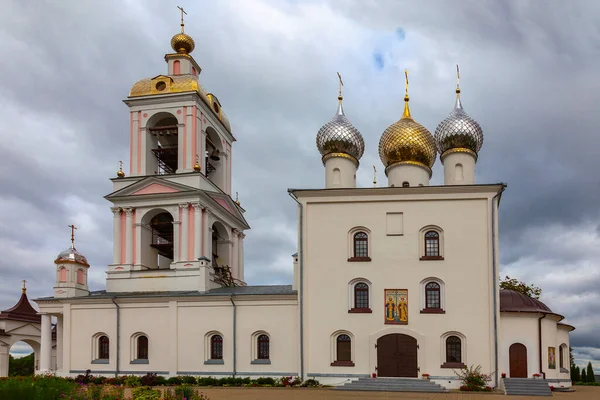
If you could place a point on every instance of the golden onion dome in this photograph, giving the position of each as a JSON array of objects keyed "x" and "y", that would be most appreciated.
[
  {"x": 407, "y": 141},
  {"x": 182, "y": 43}
]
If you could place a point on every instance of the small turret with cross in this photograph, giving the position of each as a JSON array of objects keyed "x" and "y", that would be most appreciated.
[{"x": 71, "y": 272}]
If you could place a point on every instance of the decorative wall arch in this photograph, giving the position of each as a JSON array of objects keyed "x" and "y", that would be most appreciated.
[
  {"x": 403, "y": 330},
  {"x": 261, "y": 348},
  {"x": 209, "y": 341},
  {"x": 100, "y": 354},
  {"x": 139, "y": 355}
]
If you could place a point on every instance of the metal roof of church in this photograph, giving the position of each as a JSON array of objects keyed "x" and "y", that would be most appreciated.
[
  {"x": 513, "y": 301},
  {"x": 264, "y": 290},
  {"x": 22, "y": 311}
]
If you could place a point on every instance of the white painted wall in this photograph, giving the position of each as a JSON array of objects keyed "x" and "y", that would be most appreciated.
[
  {"x": 340, "y": 172},
  {"x": 413, "y": 174},
  {"x": 459, "y": 169}
]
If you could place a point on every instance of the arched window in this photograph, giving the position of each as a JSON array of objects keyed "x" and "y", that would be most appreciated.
[
  {"x": 262, "y": 347},
  {"x": 62, "y": 274},
  {"x": 432, "y": 295},
  {"x": 454, "y": 353},
  {"x": 453, "y": 350},
  {"x": 361, "y": 245},
  {"x": 405, "y": 184},
  {"x": 343, "y": 351},
  {"x": 103, "y": 348},
  {"x": 80, "y": 277},
  {"x": 176, "y": 67},
  {"x": 142, "y": 348},
  {"x": 216, "y": 347},
  {"x": 560, "y": 357},
  {"x": 432, "y": 244},
  {"x": 361, "y": 295}
]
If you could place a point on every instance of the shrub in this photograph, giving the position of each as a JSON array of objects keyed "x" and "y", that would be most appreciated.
[
  {"x": 150, "y": 379},
  {"x": 310, "y": 383},
  {"x": 173, "y": 381},
  {"x": 113, "y": 393},
  {"x": 473, "y": 380},
  {"x": 132, "y": 381},
  {"x": 210, "y": 381},
  {"x": 184, "y": 392},
  {"x": 188, "y": 380},
  {"x": 265, "y": 381},
  {"x": 146, "y": 393}
]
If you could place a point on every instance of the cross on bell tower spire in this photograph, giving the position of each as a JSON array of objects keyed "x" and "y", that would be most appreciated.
[
  {"x": 73, "y": 227},
  {"x": 182, "y": 12}
]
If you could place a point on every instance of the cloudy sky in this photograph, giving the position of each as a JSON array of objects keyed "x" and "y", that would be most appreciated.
[{"x": 528, "y": 74}]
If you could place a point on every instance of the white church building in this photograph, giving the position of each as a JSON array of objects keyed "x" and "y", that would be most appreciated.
[{"x": 398, "y": 280}]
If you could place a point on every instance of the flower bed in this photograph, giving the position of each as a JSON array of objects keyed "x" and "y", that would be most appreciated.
[{"x": 89, "y": 387}]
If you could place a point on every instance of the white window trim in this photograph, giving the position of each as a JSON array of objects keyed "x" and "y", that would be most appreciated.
[
  {"x": 565, "y": 353},
  {"x": 134, "y": 347},
  {"x": 255, "y": 359},
  {"x": 422, "y": 297},
  {"x": 463, "y": 346},
  {"x": 207, "y": 359},
  {"x": 96, "y": 346},
  {"x": 422, "y": 233},
  {"x": 351, "y": 233},
  {"x": 333, "y": 344},
  {"x": 351, "y": 285}
]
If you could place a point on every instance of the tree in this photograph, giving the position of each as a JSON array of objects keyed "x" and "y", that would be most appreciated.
[
  {"x": 21, "y": 366},
  {"x": 590, "y": 373},
  {"x": 521, "y": 287},
  {"x": 577, "y": 374},
  {"x": 571, "y": 358},
  {"x": 583, "y": 376}
]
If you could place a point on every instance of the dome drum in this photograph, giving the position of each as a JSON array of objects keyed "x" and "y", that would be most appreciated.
[
  {"x": 462, "y": 150},
  {"x": 412, "y": 163},
  {"x": 340, "y": 155}
]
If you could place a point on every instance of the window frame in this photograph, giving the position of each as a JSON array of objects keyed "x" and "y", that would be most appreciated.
[
  {"x": 216, "y": 347},
  {"x": 135, "y": 348},
  {"x": 423, "y": 243},
  {"x": 256, "y": 342},
  {"x": 442, "y": 296},
  {"x": 97, "y": 348},
  {"x": 444, "y": 350},
  {"x": 208, "y": 342},
  {"x": 352, "y": 257},
  {"x": 352, "y": 309},
  {"x": 335, "y": 362}
]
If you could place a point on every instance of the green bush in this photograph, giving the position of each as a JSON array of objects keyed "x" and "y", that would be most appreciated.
[
  {"x": 146, "y": 393},
  {"x": 188, "y": 380},
  {"x": 173, "y": 381},
  {"x": 132, "y": 381},
  {"x": 265, "y": 381},
  {"x": 473, "y": 380}
]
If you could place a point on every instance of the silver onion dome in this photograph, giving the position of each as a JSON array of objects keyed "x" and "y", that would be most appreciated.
[
  {"x": 340, "y": 136},
  {"x": 71, "y": 255},
  {"x": 458, "y": 130}
]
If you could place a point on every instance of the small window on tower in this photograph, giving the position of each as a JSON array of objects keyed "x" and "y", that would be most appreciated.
[
  {"x": 160, "y": 86},
  {"x": 215, "y": 107}
]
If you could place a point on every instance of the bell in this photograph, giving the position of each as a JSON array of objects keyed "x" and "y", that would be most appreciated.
[{"x": 215, "y": 155}]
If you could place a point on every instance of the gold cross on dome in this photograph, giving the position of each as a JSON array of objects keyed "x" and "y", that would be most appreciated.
[
  {"x": 73, "y": 227},
  {"x": 24, "y": 285},
  {"x": 341, "y": 84},
  {"x": 406, "y": 75},
  {"x": 182, "y": 12},
  {"x": 457, "y": 79}
]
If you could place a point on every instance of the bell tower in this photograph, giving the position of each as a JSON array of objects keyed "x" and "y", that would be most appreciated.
[
  {"x": 173, "y": 212},
  {"x": 71, "y": 272}
]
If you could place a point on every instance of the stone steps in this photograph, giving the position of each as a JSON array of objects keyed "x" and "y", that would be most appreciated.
[
  {"x": 526, "y": 387},
  {"x": 393, "y": 385}
]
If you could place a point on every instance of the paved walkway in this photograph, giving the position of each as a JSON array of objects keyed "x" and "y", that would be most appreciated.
[{"x": 581, "y": 393}]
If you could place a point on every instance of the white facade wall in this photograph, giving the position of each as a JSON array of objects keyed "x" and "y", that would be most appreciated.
[
  {"x": 519, "y": 328},
  {"x": 178, "y": 333},
  {"x": 465, "y": 271}
]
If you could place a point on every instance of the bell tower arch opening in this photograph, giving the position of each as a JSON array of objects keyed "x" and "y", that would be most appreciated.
[
  {"x": 216, "y": 165},
  {"x": 220, "y": 245},
  {"x": 162, "y": 144},
  {"x": 157, "y": 240}
]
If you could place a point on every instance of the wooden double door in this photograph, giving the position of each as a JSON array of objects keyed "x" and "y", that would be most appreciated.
[{"x": 397, "y": 356}]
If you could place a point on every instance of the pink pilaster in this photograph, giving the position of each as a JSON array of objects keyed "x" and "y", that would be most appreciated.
[
  {"x": 184, "y": 138},
  {"x": 123, "y": 238},
  {"x": 191, "y": 238},
  {"x": 179, "y": 255},
  {"x": 134, "y": 238},
  {"x": 194, "y": 134},
  {"x": 131, "y": 144},
  {"x": 139, "y": 143},
  {"x": 203, "y": 230}
]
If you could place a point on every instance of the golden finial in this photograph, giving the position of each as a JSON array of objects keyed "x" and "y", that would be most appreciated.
[
  {"x": 197, "y": 165},
  {"x": 406, "y": 113},
  {"x": 457, "y": 81},
  {"x": 340, "y": 87},
  {"x": 374, "y": 176},
  {"x": 73, "y": 227},
  {"x": 182, "y": 12},
  {"x": 24, "y": 290},
  {"x": 120, "y": 173},
  {"x": 237, "y": 201}
]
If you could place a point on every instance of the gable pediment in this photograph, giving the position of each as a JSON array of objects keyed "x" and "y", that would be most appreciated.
[
  {"x": 226, "y": 203},
  {"x": 151, "y": 185},
  {"x": 26, "y": 329}
]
